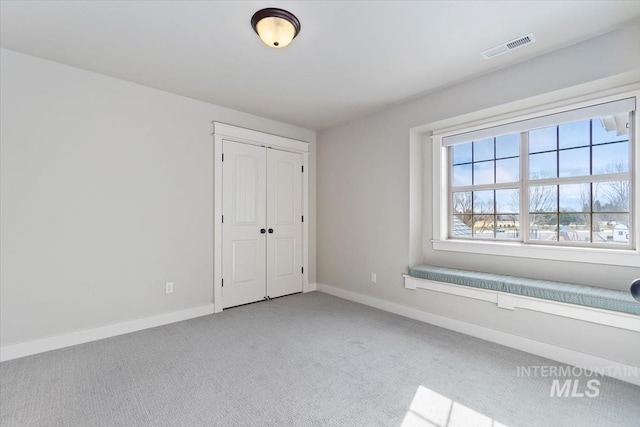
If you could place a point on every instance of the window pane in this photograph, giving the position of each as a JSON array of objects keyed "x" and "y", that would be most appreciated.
[
  {"x": 462, "y": 201},
  {"x": 462, "y": 226},
  {"x": 508, "y": 146},
  {"x": 483, "y": 150},
  {"x": 574, "y": 162},
  {"x": 542, "y": 140},
  {"x": 611, "y": 228},
  {"x": 483, "y": 201},
  {"x": 543, "y": 166},
  {"x": 461, "y": 153},
  {"x": 483, "y": 226},
  {"x": 462, "y": 218},
  {"x": 543, "y": 198},
  {"x": 508, "y": 201},
  {"x": 462, "y": 175},
  {"x": 483, "y": 173},
  {"x": 574, "y": 216},
  {"x": 612, "y": 196},
  {"x": 575, "y": 198},
  {"x": 574, "y": 134},
  {"x": 543, "y": 226},
  {"x": 574, "y": 227},
  {"x": 569, "y": 233},
  {"x": 584, "y": 230},
  {"x": 611, "y": 158},
  {"x": 508, "y": 170},
  {"x": 508, "y": 227},
  {"x": 610, "y": 128}
]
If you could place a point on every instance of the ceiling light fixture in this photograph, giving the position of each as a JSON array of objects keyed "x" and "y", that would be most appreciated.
[{"x": 276, "y": 27}]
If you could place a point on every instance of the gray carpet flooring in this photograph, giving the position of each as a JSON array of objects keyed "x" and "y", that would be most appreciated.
[{"x": 303, "y": 360}]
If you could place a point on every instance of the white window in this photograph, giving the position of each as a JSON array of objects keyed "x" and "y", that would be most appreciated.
[{"x": 555, "y": 184}]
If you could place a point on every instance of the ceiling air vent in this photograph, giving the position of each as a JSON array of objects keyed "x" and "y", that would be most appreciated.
[{"x": 508, "y": 46}]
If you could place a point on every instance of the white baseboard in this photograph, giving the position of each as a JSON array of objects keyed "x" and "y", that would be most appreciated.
[
  {"x": 582, "y": 360},
  {"x": 310, "y": 287},
  {"x": 79, "y": 337}
]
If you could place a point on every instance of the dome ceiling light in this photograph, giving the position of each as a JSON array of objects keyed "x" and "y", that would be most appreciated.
[{"x": 276, "y": 27}]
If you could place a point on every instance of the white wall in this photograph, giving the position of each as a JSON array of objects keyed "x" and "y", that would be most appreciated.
[
  {"x": 106, "y": 194},
  {"x": 363, "y": 201}
]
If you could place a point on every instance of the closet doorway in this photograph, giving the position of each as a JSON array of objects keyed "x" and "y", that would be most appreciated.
[{"x": 261, "y": 199}]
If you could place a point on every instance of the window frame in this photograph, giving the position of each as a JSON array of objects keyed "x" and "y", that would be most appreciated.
[{"x": 625, "y": 255}]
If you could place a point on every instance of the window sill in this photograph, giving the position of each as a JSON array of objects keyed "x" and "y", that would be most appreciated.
[{"x": 623, "y": 258}]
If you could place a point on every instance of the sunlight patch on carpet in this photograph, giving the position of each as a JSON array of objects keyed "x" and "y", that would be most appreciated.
[{"x": 431, "y": 409}]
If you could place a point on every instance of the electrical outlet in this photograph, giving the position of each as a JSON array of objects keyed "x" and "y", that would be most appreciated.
[
  {"x": 168, "y": 287},
  {"x": 373, "y": 277}
]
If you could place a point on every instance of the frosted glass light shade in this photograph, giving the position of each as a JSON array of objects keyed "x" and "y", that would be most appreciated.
[
  {"x": 276, "y": 27},
  {"x": 276, "y": 32}
]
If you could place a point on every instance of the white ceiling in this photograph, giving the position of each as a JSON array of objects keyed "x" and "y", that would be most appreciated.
[{"x": 351, "y": 57}]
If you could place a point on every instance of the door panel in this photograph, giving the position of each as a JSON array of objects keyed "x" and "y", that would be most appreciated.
[
  {"x": 285, "y": 248},
  {"x": 245, "y": 261},
  {"x": 247, "y": 183},
  {"x": 244, "y": 213},
  {"x": 283, "y": 192},
  {"x": 284, "y": 217}
]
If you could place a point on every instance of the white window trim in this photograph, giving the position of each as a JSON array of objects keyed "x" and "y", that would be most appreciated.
[{"x": 441, "y": 240}]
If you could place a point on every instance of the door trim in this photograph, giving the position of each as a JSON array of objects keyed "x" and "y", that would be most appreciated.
[
  {"x": 222, "y": 131},
  {"x": 248, "y": 136}
]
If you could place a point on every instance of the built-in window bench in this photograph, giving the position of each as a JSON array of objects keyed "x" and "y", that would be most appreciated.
[{"x": 587, "y": 303}]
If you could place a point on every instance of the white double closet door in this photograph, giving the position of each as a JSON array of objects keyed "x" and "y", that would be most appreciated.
[{"x": 262, "y": 223}]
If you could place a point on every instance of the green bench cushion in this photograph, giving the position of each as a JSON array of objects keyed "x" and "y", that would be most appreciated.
[{"x": 589, "y": 296}]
